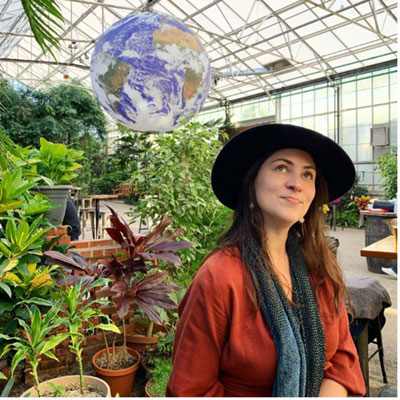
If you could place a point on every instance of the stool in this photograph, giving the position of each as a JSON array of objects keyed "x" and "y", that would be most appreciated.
[
  {"x": 90, "y": 212},
  {"x": 336, "y": 204}
]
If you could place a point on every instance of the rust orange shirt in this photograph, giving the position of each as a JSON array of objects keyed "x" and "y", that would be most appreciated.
[{"x": 224, "y": 348}]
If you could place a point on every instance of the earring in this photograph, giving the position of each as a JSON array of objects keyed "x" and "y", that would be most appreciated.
[
  {"x": 301, "y": 220},
  {"x": 251, "y": 205}
]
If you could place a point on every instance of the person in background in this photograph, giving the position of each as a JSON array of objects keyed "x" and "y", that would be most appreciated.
[
  {"x": 265, "y": 314},
  {"x": 71, "y": 219}
]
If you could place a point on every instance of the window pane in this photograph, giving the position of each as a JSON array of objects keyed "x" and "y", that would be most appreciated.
[
  {"x": 321, "y": 124},
  {"x": 296, "y": 98},
  {"x": 308, "y": 95},
  {"x": 296, "y": 110},
  {"x": 364, "y": 83},
  {"x": 364, "y": 152},
  {"x": 349, "y": 136},
  {"x": 364, "y": 116},
  {"x": 308, "y": 108},
  {"x": 381, "y": 114},
  {"x": 349, "y": 100},
  {"x": 393, "y": 92},
  {"x": 349, "y": 118},
  {"x": 285, "y": 100},
  {"x": 331, "y": 103},
  {"x": 308, "y": 122},
  {"x": 285, "y": 112},
  {"x": 331, "y": 122},
  {"x": 351, "y": 151},
  {"x": 321, "y": 93},
  {"x": 364, "y": 171},
  {"x": 349, "y": 87},
  {"x": 364, "y": 97},
  {"x": 321, "y": 106},
  {"x": 364, "y": 134},
  {"x": 381, "y": 95},
  {"x": 393, "y": 133},
  {"x": 297, "y": 121},
  {"x": 380, "y": 81}
]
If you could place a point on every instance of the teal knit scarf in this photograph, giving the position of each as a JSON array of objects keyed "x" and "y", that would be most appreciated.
[{"x": 297, "y": 332}]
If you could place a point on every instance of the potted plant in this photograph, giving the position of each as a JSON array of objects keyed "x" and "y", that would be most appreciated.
[
  {"x": 77, "y": 313},
  {"x": 133, "y": 283},
  {"x": 56, "y": 167},
  {"x": 34, "y": 342},
  {"x": 143, "y": 254}
]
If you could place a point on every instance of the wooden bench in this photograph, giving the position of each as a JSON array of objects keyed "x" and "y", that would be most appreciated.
[{"x": 124, "y": 190}]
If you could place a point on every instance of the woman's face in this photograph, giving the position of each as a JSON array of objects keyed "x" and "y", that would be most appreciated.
[{"x": 285, "y": 187}]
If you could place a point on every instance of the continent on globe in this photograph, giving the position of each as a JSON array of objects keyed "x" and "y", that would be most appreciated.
[
  {"x": 150, "y": 72},
  {"x": 113, "y": 81},
  {"x": 173, "y": 35}
]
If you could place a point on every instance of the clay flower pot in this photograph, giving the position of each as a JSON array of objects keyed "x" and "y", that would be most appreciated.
[
  {"x": 98, "y": 383},
  {"x": 147, "y": 387},
  {"x": 120, "y": 380},
  {"x": 141, "y": 343}
]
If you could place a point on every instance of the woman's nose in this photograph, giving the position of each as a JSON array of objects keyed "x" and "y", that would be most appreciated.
[{"x": 294, "y": 183}]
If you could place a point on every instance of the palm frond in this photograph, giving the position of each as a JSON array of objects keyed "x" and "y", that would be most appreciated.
[{"x": 45, "y": 20}]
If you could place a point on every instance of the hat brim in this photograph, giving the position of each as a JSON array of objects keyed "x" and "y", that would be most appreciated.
[{"x": 253, "y": 144}]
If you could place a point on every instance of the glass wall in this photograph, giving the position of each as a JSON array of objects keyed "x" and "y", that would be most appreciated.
[{"x": 344, "y": 110}]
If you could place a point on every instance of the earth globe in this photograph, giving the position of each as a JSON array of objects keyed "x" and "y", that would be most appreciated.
[{"x": 150, "y": 72}]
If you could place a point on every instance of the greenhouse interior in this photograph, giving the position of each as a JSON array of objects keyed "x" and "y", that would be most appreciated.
[{"x": 143, "y": 227}]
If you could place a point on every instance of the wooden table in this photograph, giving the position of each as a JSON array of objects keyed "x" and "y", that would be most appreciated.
[
  {"x": 97, "y": 198},
  {"x": 384, "y": 248}
]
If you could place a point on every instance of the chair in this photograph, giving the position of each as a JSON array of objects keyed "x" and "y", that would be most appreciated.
[{"x": 369, "y": 300}]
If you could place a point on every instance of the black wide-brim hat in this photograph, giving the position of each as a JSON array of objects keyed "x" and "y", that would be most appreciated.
[{"x": 251, "y": 145}]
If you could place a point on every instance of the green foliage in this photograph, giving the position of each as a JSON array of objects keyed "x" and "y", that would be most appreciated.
[
  {"x": 350, "y": 215},
  {"x": 62, "y": 114},
  {"x": 45, "y": 20},
  {"x": 58, "y": 162},
  {"x": 58, "y": 391},
  {"x": 35, "y": 340},
  {"x": 78, "y": 311},
  {"x": 387, "y": 165},
  {"x": 175, "y": 181},
  {"x": 7, "y": 389},
  {"x": 160, "y": 375}
]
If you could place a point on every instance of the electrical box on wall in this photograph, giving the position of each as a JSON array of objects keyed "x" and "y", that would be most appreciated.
[{"x": 380, "y": 135}]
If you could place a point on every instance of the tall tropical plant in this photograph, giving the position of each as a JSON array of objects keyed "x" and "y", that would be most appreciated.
[{"x": 45, "y": 20}]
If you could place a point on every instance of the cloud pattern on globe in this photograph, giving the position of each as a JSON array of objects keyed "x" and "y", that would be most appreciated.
[{"x": 150, "y": 72}]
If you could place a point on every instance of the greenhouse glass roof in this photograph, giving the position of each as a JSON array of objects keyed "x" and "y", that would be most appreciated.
[{"x": 255, "y": 47}]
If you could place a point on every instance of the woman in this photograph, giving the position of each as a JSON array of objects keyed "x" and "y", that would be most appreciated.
[{"x": 265, "y": 314}]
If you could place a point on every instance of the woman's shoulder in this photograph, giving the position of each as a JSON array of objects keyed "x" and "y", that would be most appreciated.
[{"x": 223, "y": 266}]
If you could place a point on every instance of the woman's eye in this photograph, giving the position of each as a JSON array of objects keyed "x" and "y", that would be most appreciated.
[
  {"x": 308, "y": 175},
  {"x": 281, "y": 168}
]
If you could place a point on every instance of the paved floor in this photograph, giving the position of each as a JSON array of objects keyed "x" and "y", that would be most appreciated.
[{"x": 353, "y": 265}]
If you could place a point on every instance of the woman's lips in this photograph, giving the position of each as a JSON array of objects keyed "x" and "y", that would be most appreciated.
[{"x": 292, "y": 200}]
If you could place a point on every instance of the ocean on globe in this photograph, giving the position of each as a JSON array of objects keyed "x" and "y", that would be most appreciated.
[{"x": 150, "y": 72}]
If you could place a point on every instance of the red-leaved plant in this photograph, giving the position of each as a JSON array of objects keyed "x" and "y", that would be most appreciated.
[{"x": 142, "y": 254}]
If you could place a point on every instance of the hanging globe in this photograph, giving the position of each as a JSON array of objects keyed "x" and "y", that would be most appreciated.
[{"x": 150, "y": 72}]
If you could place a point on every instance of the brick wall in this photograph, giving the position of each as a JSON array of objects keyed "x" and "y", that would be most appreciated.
[{"x": 92, "y": 251}]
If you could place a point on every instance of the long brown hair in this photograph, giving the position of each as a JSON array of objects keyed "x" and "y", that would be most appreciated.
[{"x": 248, "y": 222}]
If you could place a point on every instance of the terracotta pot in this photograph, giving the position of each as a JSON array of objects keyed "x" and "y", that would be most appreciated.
[
  {"x": 120, "y": 380},
  {"x": 98, "y": 383},
  {"x": 141, "y": 343},
  {"x": 146, "y": 388}
]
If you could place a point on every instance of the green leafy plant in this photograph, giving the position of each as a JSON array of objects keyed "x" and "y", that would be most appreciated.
[
  {"x": 58, "y": 162},
  {"x": 35, "y": 341},
  {"x": 20, "y": 240},
  {"x": 58, "y": 391},
  {"x": 159, "y": 376},
  {"x": 184, "y": 157},
  {"x": 387, "y": 165},
  {"x": 45, "y": 20},
  {"x": 79, "y": 312}
]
